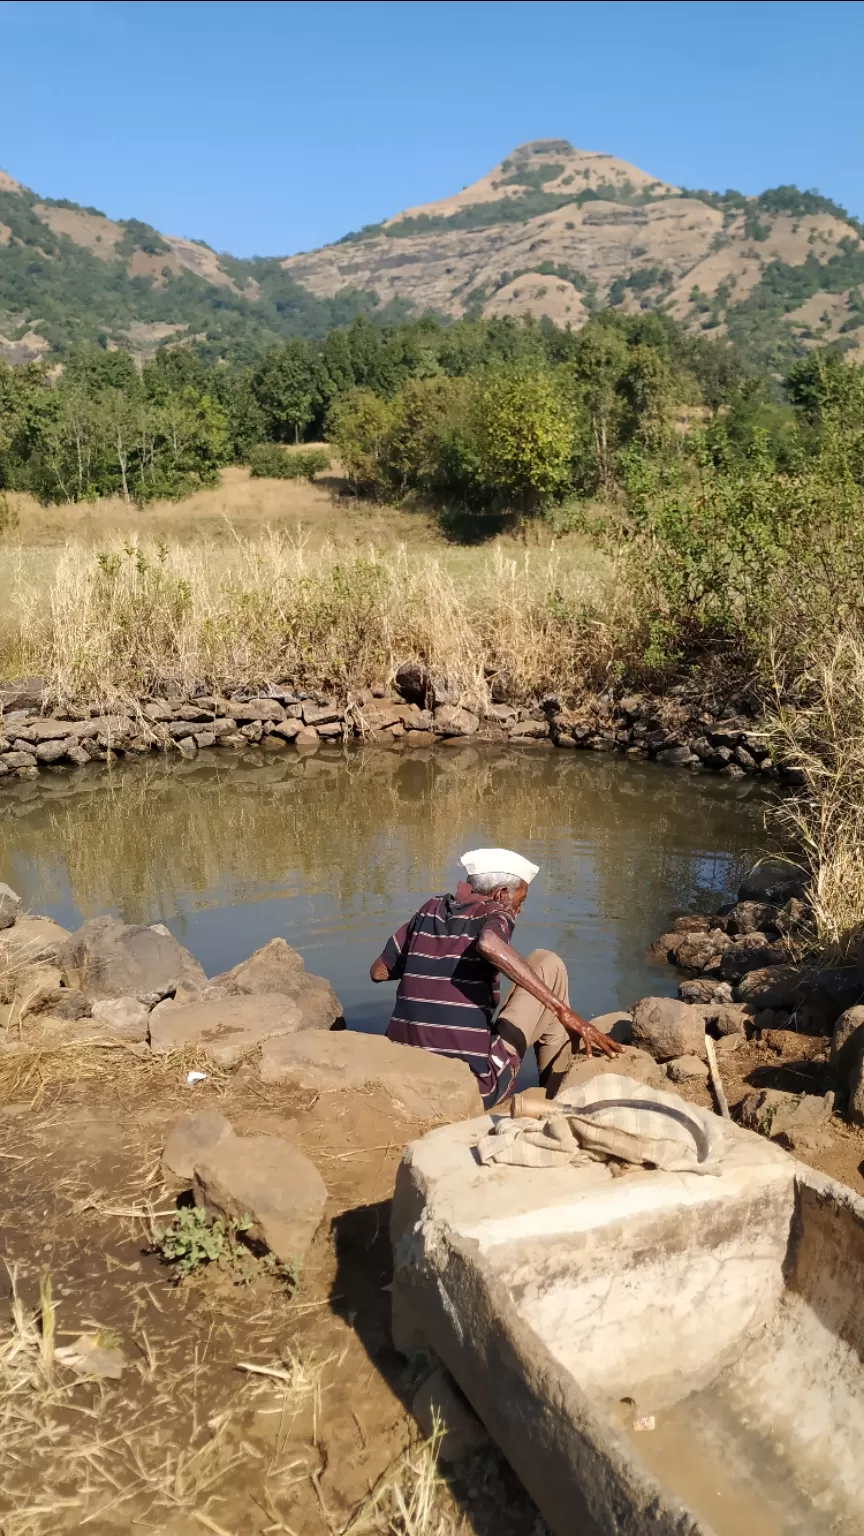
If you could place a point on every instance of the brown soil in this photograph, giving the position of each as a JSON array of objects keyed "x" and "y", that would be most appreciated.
[{"x": 188, "y": 1440}]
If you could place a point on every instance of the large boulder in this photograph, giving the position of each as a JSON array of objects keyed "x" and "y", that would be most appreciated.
[
  {"x": 847, "y": 1059},
  {"x": 108, "y": 958},
  {"x": 774, "y": 881},
  {"x": 10, "y": 906},
  {"x": 263, "y": 1179},
  {"x": 752, "y": 917},
  {"x": 667, "y": 1028},
  {"x": 276, "y": 967},
  {"x": 698, "y": 951},
  {"x": 225, "y": 1029},
  {"x": 418, "y": 1082},
  {"x": 30, "y": 941}
]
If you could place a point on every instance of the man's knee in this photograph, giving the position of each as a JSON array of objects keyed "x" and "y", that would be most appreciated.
[{"x": 550, "y": 968}]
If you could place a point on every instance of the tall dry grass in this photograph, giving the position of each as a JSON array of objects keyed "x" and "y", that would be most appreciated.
[
  {"x": 135, "y": 615},
  {"x": 822, "y": 734}
]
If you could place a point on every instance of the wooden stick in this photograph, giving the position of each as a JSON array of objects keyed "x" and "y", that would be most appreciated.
[{"x": 716, "y": 1079}]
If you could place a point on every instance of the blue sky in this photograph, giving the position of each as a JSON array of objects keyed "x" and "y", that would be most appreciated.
[{"x": 267, "y": 128}]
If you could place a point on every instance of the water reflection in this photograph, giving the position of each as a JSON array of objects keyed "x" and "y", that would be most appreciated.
[{"x": 334, "y": 851}]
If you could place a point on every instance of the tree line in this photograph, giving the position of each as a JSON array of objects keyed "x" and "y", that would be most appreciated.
[{"x": 482, "y": 416}]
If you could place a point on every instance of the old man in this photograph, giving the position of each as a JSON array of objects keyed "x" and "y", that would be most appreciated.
[{"x": 447, "y": 959}]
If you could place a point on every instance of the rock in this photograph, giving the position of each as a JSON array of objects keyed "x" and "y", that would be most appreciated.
[
  {"x": 10, "y": 906},
  {"x": 225, "y": 1029},
  {"x": 631, "y": 1062},
  {"x": 773, "y": 880},
  {"x": 674, "y": 757},
  {"x": 30, "y": 940},
  {"x": 847, "y": 1045},
  {"x": 419, "y": 1082},
  {"x": 26, "y": 982},
  {"x": 660, "y": 952},
  {"x": 698, "y": 951},
  {"x": 307, "y": 737},
  {"x": 52, "y": 751},
  {"x": 794, "y": 917},
  {"x": 687, "y": 1069},
  {"x": 618, "y": 1026},
  {"x": 452, "y": 720},
  {"x": 19, "y": 758},
  {"x": 123, "y": 1016},
  {"x": 667, "y": 1028},
  {"x": 752, "y": 952},
  {"x": 23, "y": 693},
  {"x": 692, "y": 924},
  {"x": 727, "y": 1045},
  {"x": 776, "y": 986},
  {"x": 770, "y": 1018},
  {"x": 108, "y": 958},
  {"x": 190, "y": 1141},
  {"x": 528, "y": 730},
  {"x": 705, "y": 991},
  {"x": 412, "y": 681},
  {"x": 318, "y": 715},
  {"x": 263, "y": 1178},
  {"x": 752, "y": 917},
  {"x": 786, "y": 1116},
  {"x": 276, "y": 967},
  {"x": 730, "y": 1019},
  {"x": 244, "y": 711},
  {"x": 288, "y": 730},
  {"x": 439, "y": 1402}
]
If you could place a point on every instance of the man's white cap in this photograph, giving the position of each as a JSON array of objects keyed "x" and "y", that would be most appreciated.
[{"x": 498, "y": 861}]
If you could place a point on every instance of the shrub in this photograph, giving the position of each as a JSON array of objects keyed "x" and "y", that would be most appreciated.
[{"x": 272, "y": 461}]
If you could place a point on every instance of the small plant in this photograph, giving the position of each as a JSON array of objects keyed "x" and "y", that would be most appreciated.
[
  {"x": 193, "y": 1240},
  {"x": 9, "y": 518}
]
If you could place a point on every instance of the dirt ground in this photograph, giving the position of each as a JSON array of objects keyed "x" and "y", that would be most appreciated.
[
  {"x": 317, "y": 1439},
  {"x": 244, "y": 1407}
]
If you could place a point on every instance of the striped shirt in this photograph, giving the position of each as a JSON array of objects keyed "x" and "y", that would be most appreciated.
[{"x": 448, "y": 993}]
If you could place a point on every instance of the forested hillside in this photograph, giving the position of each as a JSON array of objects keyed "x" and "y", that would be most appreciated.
[{"x": 552, "y": 231}]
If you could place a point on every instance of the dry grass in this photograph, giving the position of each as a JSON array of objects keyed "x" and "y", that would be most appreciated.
[
  {"x": 108, "y": 625},
  {"x": 823, "y": 735}
]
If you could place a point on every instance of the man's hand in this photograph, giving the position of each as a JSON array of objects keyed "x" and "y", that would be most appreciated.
[
  {"x": 378, "y": 970},
  {"x": 593, "y": 1039}
]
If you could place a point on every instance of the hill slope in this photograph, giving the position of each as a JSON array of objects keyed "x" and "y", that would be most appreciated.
[{"x": 551, "y": 231}]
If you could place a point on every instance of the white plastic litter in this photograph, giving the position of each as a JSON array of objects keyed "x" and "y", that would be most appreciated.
[{"x": 196, "y": 1077}]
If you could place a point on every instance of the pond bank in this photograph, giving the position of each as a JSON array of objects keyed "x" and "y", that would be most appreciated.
[{"x": 419, "y": 710}]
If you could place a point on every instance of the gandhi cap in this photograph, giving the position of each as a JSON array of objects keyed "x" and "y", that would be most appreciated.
[{"x": 498, "y": 861}]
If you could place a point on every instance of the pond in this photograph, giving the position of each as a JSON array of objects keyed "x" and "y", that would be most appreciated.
[{"x": 334, "y": 851}]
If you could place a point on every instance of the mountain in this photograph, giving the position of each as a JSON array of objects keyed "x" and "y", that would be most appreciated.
[{"x": 551, "y": 231}]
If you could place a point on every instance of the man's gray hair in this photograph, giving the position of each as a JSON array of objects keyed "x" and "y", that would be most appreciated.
[{"x": 483, "y": 884}]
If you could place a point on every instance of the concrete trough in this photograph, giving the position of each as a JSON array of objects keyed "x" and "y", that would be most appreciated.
[{"x": 656, "y": 1353}]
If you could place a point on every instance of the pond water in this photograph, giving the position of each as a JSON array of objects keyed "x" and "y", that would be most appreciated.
[{"x": 334, "y": 851}]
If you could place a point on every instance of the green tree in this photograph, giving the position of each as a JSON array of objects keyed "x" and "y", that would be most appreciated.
[{"x": 359, "y": 426}]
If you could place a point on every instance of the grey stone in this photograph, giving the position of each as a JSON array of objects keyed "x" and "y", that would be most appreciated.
[
  {"x": 777, "y": 986},
  {"x": 752, "y": 917},
  {"x": 667, "y": 1028},
  {"x": 246, "y": 710},
  {"x": 705, "y": 990},
  {"x": 322, "y": 714},
  {"x": 693, "y": 923},
  {"x": 631, "y": 1062},
  {"x": 412, "y": 681},
  {"x": 528, "y": 730},
  {"x": 19, "y": 759},
  {"x": 52, "y": 751},
  {"x": 224, "y": 1029},
  {"x": 847, "y": 1045},
  {"x": 618, "y": 1026},
  {"x": 123, "y": 1016},
  {"x": 30, "y": 940},
  {"x": 288, "y": 730},
  {"x": 452, "y": 720},
  {"x": 108, "y": 958},
  {"x": 10, "y": 906},
  {"x": 439, "y": 1403},
  {"x": 29, "y": 984},
  {"x": 276, "y": 967},
  {"x": 262, "y": 1177},
  {"x": 674, "y": 757},
  {"x": 730, "y": 1019},
  {"x": 23, "y": 693},
  {"x": 686, "y": 1069},
  {"x": 51, "y": 730},
  {"x": 773, "y": 880},
  {"x": 698, "y": 951},
  {"x": 752, "y": 952},
  {"x": 205, "y": 739},
  {"x": 308, "y": 737},
  {"x": 781, "y": 1116},
  {"x": 418, "y": 1082},
  {"x": 190, "y": 1140}
]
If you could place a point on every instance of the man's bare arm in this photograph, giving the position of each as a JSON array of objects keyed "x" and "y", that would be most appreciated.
[
  {"x": 378, "y": 970},
  {"x": 511, "y": 964}
]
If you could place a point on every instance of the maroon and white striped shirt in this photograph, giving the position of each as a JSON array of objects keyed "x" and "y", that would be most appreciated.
[{"x": 448, "y": 993}]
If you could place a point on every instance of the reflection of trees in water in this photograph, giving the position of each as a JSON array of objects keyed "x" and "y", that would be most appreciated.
[{"x": 366, "y": 825}]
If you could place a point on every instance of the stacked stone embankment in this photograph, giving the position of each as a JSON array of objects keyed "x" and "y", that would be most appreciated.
[{"x": 419, "y": 710}]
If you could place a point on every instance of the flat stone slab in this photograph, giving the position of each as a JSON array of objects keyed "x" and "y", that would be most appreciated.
[
  {"x": 418, "y": 1082},
  {"x": 226, "y": 1028},
  {"x": 553, "y": 1294}
]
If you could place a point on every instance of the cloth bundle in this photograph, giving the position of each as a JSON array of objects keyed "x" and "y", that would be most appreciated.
[{"x": 611, "y": 1117}]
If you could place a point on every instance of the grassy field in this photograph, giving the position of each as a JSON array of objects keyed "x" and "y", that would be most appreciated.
[{"x": 262, "y": 580}]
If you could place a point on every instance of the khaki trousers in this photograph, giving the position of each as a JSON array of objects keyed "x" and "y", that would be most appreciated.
[{"x": 524, "y": 1021}]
